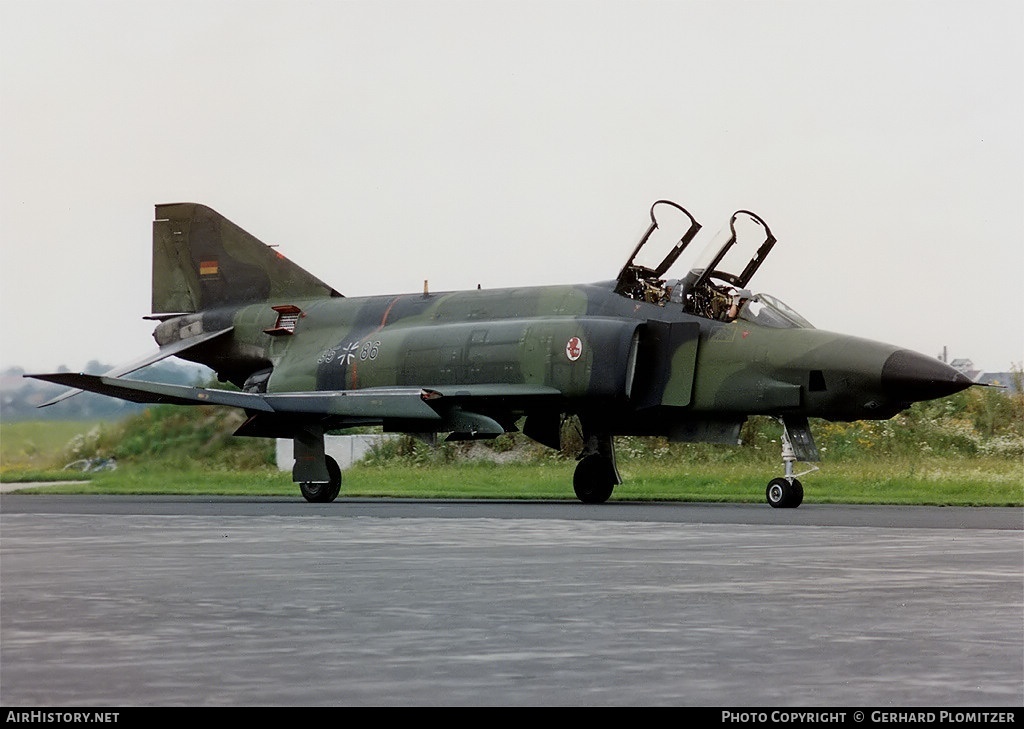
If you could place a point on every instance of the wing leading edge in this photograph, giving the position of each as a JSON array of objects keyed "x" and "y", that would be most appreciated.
[{"x": 440, "y": 407}]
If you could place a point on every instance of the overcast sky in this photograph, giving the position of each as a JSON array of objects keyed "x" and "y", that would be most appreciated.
[{"x": 517, "y": 143}]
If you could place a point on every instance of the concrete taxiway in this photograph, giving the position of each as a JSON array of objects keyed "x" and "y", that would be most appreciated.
[{"x": 161, "y": 601}]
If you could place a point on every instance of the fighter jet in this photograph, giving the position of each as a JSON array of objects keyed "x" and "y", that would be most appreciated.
[{"x": 688, "y": 358}]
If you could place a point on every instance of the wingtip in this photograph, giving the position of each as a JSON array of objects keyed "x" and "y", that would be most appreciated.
[{"x": 52, "y": 378}]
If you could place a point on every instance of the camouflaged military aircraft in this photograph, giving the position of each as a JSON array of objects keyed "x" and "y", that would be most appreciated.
[{"x": 689, "y": 359}]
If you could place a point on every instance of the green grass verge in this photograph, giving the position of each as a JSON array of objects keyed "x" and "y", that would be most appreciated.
[
  {"x": 950, "y": 482},
  {"x": 937, "y": 453}
]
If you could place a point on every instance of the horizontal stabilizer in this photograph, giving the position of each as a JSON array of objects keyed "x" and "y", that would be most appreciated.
[
  {"x": 156, "y": 393},
  {"x": 125, "y": 369}
]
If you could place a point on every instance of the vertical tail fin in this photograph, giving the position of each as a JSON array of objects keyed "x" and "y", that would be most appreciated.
[{"x": 202, "y": 260}]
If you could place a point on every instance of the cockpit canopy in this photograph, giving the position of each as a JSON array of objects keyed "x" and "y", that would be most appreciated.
[{"x": 710, "y": 288}]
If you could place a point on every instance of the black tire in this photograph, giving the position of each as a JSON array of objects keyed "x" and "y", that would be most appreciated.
[
  {"x": 594, "y": 479},
  {"x": 782, "y": 493},
  {"x": 323, "y": 493},
  {"x": 798, "y": 494}
]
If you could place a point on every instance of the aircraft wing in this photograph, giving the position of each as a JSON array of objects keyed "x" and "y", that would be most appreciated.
[
  {"x": 449, "y": 407},
  {"x": 125, "y": 369},
  {"x": 404, "y": 402}
]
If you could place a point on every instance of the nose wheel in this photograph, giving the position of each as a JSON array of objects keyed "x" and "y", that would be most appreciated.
[{"x": 784, "y": 493}]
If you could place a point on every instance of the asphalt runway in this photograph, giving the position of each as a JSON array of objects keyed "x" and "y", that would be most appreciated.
[{"x": 159, "y": 601}]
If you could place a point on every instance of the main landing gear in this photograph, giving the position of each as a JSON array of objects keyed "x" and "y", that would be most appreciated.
[
  {"x": 317, "y": 474},
  {"x": 318, "y": 492},
  {"x": 596, "y": 475}
]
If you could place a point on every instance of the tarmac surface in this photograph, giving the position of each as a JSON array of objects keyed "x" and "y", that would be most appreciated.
[{"x": 112, "y": 601}]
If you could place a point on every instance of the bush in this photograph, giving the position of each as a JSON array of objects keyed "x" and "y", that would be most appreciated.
[{"x": 200, "y": 436}]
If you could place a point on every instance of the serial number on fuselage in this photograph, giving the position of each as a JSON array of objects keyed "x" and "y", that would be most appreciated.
[{"x": 346, "y": 354}]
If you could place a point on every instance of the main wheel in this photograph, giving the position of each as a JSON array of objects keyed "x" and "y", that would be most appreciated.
[
  {"x": 594, "y": 479},
  {"x": 322, "y": 493},
  {"x": 784, "y": 494}
]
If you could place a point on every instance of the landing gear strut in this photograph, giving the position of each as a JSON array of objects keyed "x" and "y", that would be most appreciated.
[
  {"x": 316, "y": 473},
  {"x": 787, "y": 492},
  {"x": 596, "y": 475}
]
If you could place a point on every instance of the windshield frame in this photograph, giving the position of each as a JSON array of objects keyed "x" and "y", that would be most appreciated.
[{"x": 770, "y": 311}]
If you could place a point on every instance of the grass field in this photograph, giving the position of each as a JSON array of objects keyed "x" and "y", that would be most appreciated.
[
  {"x": 944, "y": 482},
  {"x": 35, "y": 451},
  {"x": 40, "y": 444}
]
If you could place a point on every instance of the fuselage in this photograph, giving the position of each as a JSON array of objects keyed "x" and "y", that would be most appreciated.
[{"x": 640, "y": 364}]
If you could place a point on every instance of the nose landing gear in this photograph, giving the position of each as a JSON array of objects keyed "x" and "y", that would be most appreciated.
[
  {"x": 784, "y": 493},
  {"x": 787, "y": 492}
]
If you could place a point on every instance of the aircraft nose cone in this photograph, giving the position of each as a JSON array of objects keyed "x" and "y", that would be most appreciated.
[{"x": 911, "y": 377}]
